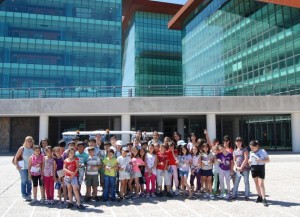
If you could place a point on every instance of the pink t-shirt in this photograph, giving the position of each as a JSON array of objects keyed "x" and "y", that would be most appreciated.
[
  {"x": 136, "y": 162},
  {"x": 36, "y": 164}
]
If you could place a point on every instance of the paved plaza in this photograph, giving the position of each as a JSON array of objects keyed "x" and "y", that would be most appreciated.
[{"x": 282, "y": 188}]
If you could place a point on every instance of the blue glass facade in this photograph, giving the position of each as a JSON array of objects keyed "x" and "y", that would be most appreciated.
[
  {"x": 242, "y": 43},
  {"x": 152, "y": 54},
  {"x": 57, "y": 43}
]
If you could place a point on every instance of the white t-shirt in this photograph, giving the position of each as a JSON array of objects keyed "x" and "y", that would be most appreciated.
[
  {"x": 206, "y": 159},
  {"x": 260, "y": 154},
  {"x": 184, "y": 161},
  {"x": 123, "y": 161},
  {"x": 150, "y": 160}
]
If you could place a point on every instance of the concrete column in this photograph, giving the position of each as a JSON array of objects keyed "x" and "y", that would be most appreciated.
[
  {"x": 235, "y": 127},
  {"x": 211, "y": 126},
  {"x": 44, "y": 127},
  {"x": 180, "y": 126},
  {"x": 125, "y": 126},
  {"x": 295, "y": 122},
  {"x": 117, "y": 123}
]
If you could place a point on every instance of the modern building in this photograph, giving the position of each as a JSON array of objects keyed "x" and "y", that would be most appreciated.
[
  {"x": 240, "y": 69},
  {"x": 247, "y": 47},
  {"x": 54, "y": 44},
  {"x": 152, "y": 52}
]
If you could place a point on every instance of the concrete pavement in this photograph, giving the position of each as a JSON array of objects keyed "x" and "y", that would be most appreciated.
[{"x": 282, "y": 189}]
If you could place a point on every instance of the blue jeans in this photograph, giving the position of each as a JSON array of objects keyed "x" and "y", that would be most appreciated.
[
  {"x": 109, "y": 184},
  {"x": 245, "y": 175},
  {"x": 25, "y": 183}
]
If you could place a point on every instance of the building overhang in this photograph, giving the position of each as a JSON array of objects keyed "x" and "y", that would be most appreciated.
[{"x": 176, "y": 22}]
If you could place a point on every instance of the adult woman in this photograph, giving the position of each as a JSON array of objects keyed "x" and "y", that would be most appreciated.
[
  {"x": 24, "y": 152},
  {"x": 240, "y": 159}
]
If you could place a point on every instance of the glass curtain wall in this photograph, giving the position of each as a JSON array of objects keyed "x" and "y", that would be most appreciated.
[
  {"x": 251, "y": 46},
  {"x": 157, "y": 52},
  {"x": 57, "y": 43}
]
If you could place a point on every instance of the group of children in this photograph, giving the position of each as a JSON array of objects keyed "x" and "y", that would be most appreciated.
[{"x": 145, "y": 169}]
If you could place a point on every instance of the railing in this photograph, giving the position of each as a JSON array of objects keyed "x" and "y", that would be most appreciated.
[{"x": 148, "y": 91}]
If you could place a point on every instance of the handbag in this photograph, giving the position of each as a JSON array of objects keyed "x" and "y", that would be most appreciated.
[{"x": 20, "y": 158}]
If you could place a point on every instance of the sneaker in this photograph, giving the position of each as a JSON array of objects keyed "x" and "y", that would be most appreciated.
[
  {"x": 87, "y": 199},
  {"x": 160, "y": 194},
  {"x": 258, "y": 199},
  {"x": 169, "y": 194},
  {"x": 113, "y": 200},
  {"x": 265, "y": 202},
  {"x": 81, "y": 207},
  {"x": 246, "y": 198},
  {"x": 42, "y": 201},
  {"x": 70, "y": 205},
  {"x": 227, "y": 197},
  {"x": 60, "y": 202},
  {"x": 206, "y": 195},
  {"x": 52, "y": 202},
  {"x": 46, "y": 202},
  {"x": 147, "y": 195},
  {"x": 153, "y": 195},
  {"x": 28, "y": 198},
  {"x": 221, "y": 196},
  {"x": 97, "y": 199},
  {"x": 212, "y": 197},
  {"x": 120, "y": 199},
  {"x": 33, "y": 201},
  {"x": 176, "y": 193}
]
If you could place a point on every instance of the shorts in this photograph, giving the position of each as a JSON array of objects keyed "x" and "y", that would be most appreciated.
[
  {"x": 207, "y": 173},
  {"x": 258, "y": 171},
  {"x": 163, "y": 174},
  {"x": 135, "y": 175},
  {"x": 123, "y": 175},
  {"x": 69, "y": 181},
  {"x": 36, "y": 180},
  {"x": 91, "y": 180},
  {"x": 183, "y": 173}
]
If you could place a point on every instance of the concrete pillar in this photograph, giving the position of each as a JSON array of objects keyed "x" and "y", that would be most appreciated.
[
  {"x": 180, "y": 126},
  {"x": 44, "y": 127},
  {"x": 211, "y": 126},
  {"x": 125, "y": 126},
  {"x": 295, "y": 122},
  {"x": 117, "y": 123},
  {"x": 235, "y": 127}
]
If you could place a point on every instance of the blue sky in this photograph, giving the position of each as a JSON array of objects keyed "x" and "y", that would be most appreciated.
[{"x": 174, "y": 1}]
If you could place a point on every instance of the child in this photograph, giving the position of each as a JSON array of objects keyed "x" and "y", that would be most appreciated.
[
  {"x": 240, "y": 159},
  {"x": 216, "y": 169},
  {"x": 92, "y": 166},
  {"x": 35, "y": 172},
  {"x": 110, "y": 164},
  {"x": 195, "y": 169},
  {"x": 206, "y": 170},
  {"x": 71, "y": 167},
  {"x": 124, "y": 174},
  {"x": 226, "y": 170},
  {"x": 150, "y": 171},
  {"x": 172, "y": 156},
  {"x": 136, "y": 161},
  {"x": 48, "y": 172},
  {"x": 257, "y": 159},
  {"x": 184, "y": 160},
  {"x": 59, "y": 174},
  {"x": 162, "y": 174},
  {"x": 82, "y": 156},
  {"x": 142, "y": 180}
]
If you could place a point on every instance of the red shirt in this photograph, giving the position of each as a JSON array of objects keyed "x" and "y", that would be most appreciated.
[
  {"x": 172, "y": 160},
  {"x": 71, "y": 166},
  {"x": 162, "y": 160}
]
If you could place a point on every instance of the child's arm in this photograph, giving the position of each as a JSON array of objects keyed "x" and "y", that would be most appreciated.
[
  {"x": 207, "y": 138},
  {"x": 231, "y": 167},
  {"x": 18, "y": 154},
  {"x": 42, "y": 169},
  {"x": 54, "y": 170},
  {"x": 246, "y": 158}
]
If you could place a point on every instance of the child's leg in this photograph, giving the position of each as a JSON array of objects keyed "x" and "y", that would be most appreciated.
[
  {"x": 70, "y": 195},
  {"x": 246, "y": 183},
  {"x": 153, "y": 184},
  {"x": 112, "y": 183},
  {"x": 47, "y": 186},
  {"x": 203, "y": 182},
  {"x": 198, "y": 181},
  {"x": 137, "y": 185},
  {"x": 209, "y": 183},
  {"x": 148, "y": 179},
  {"x": 261, "y": 186},
  {"x": 175, "y": 175},
  {"x": 221, "y": 179},
  {"x": 192, "y": 179},
  {"x": 51, "y": 188},
  {"x": 130, "y": 185},
  {"x": 227, "y": 178},
  {"x": 76, "y": 192},
  {"x": 64, "y": 187},
  {"x": 106, "y": 187},
  {"x": 42, "y": 189},
  {"x": 236, "y": 186},
  {"x": 216, "y": 179}
]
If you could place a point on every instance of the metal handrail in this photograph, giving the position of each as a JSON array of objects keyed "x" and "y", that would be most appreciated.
[{"x": 149, "y": 91}]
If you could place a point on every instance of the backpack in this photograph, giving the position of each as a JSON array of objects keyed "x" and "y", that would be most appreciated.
[{"x": 19, "y": 158}]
